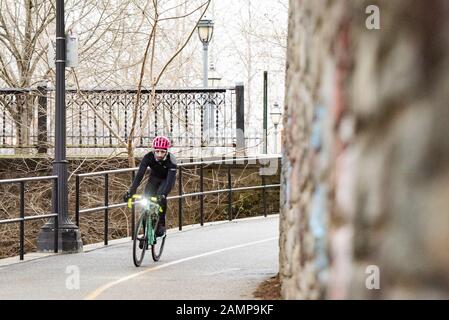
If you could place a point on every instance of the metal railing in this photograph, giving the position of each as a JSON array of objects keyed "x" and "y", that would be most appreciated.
[
  {"x": 21, "y": 220},
  {"x": 101, "y": 118},
  {"x": 181, "y": 195}
]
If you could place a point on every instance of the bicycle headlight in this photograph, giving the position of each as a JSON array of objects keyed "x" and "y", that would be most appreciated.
[{"x": 144, "y": 202}]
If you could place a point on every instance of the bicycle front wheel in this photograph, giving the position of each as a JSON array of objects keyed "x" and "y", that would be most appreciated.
[
  {"x": 140, "y": 240},
  {"x": 158, "y": 244}
]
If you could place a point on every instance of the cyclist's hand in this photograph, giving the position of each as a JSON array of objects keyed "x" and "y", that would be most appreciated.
[
  {"x": 161, "y": 198},
  {"x": 127, "y": 196}
]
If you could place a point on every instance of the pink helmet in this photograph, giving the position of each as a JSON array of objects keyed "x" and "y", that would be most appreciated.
[{"x": 161, "y": 142}]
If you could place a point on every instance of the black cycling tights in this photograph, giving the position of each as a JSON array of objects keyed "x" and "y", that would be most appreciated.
[{"x": 151, "y": 189}]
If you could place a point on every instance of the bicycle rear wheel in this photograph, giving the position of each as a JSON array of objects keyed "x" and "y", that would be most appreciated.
[
  {"x": 158, "y": 245},
  {"x": 140, "y": 240}
]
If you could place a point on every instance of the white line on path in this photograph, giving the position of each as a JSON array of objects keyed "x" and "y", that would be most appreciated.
[{"x": 94, "y": 294}]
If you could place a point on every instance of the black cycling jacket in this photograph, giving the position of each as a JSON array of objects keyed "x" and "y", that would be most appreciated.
[{"x": 165, "y": 169}]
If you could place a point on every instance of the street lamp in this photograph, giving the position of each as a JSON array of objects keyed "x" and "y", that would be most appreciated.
[
  {"x": 276, "y": 118},
  {"x": 205, "y": 32}
]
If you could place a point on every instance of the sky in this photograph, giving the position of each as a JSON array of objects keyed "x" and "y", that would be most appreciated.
[{"x": 267, "y": 30}]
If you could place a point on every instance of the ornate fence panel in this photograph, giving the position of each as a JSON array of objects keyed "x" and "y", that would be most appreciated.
[
  {"x": 103, "y": 118},
  {"x": 19, "y": 124}
]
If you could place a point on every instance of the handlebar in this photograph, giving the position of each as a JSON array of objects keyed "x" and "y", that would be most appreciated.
[{"x": 143, "y": 201}]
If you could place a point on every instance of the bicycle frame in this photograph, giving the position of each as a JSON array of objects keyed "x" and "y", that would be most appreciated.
[{"x": 151, "y": 208}]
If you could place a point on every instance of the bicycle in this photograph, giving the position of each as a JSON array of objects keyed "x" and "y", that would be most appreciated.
[{"x": 145, "y": 230}]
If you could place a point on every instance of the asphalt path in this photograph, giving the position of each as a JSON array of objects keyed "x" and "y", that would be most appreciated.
[{"x": 222, "y": 261}]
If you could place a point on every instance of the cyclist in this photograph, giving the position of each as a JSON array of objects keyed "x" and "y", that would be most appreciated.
[{"x": 162, "y": 176}]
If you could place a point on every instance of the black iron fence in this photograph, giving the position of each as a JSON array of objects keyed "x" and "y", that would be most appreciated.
[
  {"x": 181, "y": 195},
  {"x": 23, "y": 217},
  {"x": 103, "y": 118}
]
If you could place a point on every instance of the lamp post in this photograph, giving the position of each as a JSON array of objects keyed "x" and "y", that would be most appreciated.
[
  {"x": 214, "y": 77},
  {"x": 276, "y": 118},
  {"x": 205, "y": 32},
  {"x": 69, "y": 235}
]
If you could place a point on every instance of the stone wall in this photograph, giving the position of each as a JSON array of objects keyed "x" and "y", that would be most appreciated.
[{"x": 366, "y": 160}]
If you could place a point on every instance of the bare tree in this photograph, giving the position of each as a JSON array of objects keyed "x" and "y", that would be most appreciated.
[
  {"x": 25, "y": 30},
  {"x": 157, "y": 55},
  {"x": 157, "y": 19},
  {"x": 22, "y": 23}
]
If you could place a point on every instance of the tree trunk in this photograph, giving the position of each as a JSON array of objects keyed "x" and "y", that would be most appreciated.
[{"x": 22, "y": 121}]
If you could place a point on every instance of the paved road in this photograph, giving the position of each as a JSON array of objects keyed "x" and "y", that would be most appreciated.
[{"x": 225, "y": 260}]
